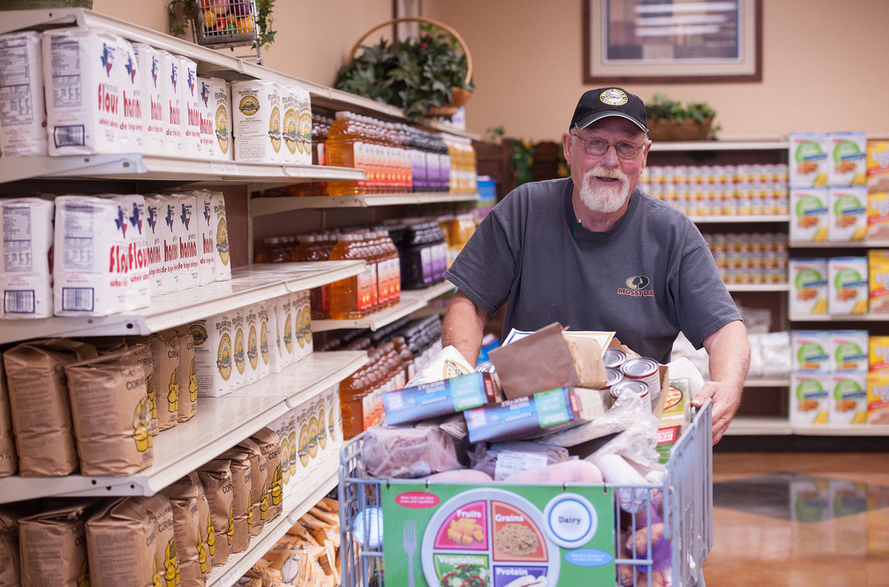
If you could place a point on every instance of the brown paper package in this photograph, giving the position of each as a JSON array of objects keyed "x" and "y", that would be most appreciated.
[
  {"x": 52, "y": 546},
  {"x": 188, "y": 389},
  {"x": 548, "y": 359},
  {"x": 166, "y": 553},
  {"x": 216, "y": 478},
  {"x": 269, "y": 444},
  {"x": 190, "y": 517},
  {"x": 165, "y": 356},
  {"x": 10, "y": 514},
  {"x": 39, "y": 406},
  {"x": 142, "y": 347},
  {"x": 116, "y": 538},
  {"x": 242, "y": 497},
  {"x": 109, "y": 408},
  {"x": 9, "y": 462},
  {"x": 259, "y": 480}
]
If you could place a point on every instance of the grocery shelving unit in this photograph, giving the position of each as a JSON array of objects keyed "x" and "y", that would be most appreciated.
[
  {"x": 772, "y": 149},
  {"x": 220, "y": 422}
]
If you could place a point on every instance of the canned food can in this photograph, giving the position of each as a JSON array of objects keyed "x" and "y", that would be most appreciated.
[
  {"x": 613, "y": 358},
  {"x": 630, "y": 387},
  {"x": 645, "y": 370},
  {"x": 614, "y": 377}
]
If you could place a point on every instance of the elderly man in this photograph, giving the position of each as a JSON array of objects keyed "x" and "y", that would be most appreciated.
[{"x": 594, "y": 252}]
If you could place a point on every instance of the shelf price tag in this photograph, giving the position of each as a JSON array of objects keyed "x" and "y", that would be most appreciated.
[{"x": 224, "y": 168}]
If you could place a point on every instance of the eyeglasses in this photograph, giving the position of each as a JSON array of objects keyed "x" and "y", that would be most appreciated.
[{"x": 598, "y": 147}]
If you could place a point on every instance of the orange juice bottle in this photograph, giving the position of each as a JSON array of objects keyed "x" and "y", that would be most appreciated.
[
  {"x": 344, "y": 296},
  {"x": 347, "y": 147}
]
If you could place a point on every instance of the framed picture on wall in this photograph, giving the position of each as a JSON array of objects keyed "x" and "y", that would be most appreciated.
[{"x": 672, "y": 41}]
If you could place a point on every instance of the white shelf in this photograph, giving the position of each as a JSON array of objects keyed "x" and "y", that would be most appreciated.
[
  {"x": 219, "y": 424},
  {"x": 838, "y": 318},
  {"x": 749, "y": 426},
  {"x": 265, "y": 206},
  {"x": 758, "y": 287},
  {"x": 217, "y": 63},
  {"x": 765, "y": 426},
  {"x": 160, "y": 168},
  {"x": 736, "y": 144},
  {"x": 839, "y": 245},
  {"x": 745, "y": 219},
  {"x": 411, "y": 301},
  {"x": 247, "y": 286},
  {"x": 294, "y": 507},
  {"x": 775, "y": 382}
]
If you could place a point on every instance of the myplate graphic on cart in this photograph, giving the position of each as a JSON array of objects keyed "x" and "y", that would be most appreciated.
[{"x": 510, "y": 536}]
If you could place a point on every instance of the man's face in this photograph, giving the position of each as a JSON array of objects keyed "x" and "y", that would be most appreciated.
[{"x": 605, "y": 182}]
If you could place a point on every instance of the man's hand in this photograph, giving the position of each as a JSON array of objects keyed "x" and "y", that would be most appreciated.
[
  {"x": 729, "y": 359},
  {"x": 726, "y": 399}
]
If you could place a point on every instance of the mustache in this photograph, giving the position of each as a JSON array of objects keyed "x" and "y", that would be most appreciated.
[{"x": 603, "y": 172}]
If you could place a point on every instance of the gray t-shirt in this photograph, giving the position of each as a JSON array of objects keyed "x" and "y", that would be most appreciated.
[{"x": 648, "y": 278}]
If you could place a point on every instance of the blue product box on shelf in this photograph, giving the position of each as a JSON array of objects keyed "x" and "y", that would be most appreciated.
[{"x": 439, "y": 398}]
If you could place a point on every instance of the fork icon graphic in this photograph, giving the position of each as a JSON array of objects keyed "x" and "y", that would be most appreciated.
[{"x": 410, "y": 547}]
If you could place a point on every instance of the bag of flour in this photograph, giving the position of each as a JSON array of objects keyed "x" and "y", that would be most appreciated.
[
  {"x": 22, "y": 108},
  {"x": 26, "y": 249}
]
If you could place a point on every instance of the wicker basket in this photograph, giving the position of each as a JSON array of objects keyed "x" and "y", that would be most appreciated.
[
  {"x": 461, "y": 95},
  {"x": 687, "y": 130}
]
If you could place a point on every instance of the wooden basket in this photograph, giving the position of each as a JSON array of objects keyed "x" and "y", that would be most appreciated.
[
  {"x": 461, "y": 95},
  {"x": 687, "y": 130}
]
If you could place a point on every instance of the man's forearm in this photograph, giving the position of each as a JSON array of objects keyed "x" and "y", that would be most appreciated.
[
  {"x": 464, "y": 326},
  {"x": 729, "y": 353}
]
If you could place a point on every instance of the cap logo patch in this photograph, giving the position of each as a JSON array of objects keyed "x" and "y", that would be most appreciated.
[{"x": 613, "y": 97}]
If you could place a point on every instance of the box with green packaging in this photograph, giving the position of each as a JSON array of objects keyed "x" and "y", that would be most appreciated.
[
  {"x": 534, "y": 416},
  {"x": 439, "y": 398}
]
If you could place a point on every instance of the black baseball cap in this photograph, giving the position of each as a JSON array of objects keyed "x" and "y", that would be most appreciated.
[{"x": 597, "y": 104}]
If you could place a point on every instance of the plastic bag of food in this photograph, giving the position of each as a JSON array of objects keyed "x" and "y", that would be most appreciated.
[
  {"x": 390, "y": 452},
  {"x": 502, "y": 459}
]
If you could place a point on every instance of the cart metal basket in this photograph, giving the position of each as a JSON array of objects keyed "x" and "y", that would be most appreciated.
[{"x": 687, "y": 508}]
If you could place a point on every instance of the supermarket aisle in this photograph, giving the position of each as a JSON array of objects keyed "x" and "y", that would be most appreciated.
[{"x": 800, "y": 520}]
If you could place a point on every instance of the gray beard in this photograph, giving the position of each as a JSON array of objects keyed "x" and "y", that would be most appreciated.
[{"x": 605, "y": 199}]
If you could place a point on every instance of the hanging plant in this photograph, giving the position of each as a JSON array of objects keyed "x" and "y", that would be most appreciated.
[
  {"x": 418, "y": 75},
  {"x": 224, "y": 20}
]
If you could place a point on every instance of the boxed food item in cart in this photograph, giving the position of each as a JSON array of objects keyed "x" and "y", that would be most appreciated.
[
  {"x": 809, "y": 214},
  {"x": 848, "y": 159},
  {"x": 439, "y": 398},
  {"x": 83, "y": 106},
  {"x": 809, "y": 401},
  {"x": 808, "y": 286},
  {"x": 22, "y": 106},
  {"x": 808, "y": 159},
  {"x": 877, "y": 166},
  {"x": 847, "y": 286},
  {"x": 848, "y": 214},
  {"x": 847, "y": 400},
  {"x": 531, "y": 417}
]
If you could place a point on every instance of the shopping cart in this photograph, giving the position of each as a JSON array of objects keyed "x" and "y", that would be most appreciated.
[{"x": 687, "y": 508}]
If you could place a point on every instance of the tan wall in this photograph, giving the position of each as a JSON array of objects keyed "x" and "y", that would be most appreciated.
[
  {"x": 313, "y": 36},
  {"x": 824, "y": 68}
]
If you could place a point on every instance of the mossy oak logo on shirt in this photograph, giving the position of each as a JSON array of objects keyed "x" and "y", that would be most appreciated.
[{"x": 636, "y": 287}]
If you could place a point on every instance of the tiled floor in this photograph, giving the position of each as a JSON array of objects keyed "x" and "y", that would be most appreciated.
[{"x": 800, "y": 520}]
